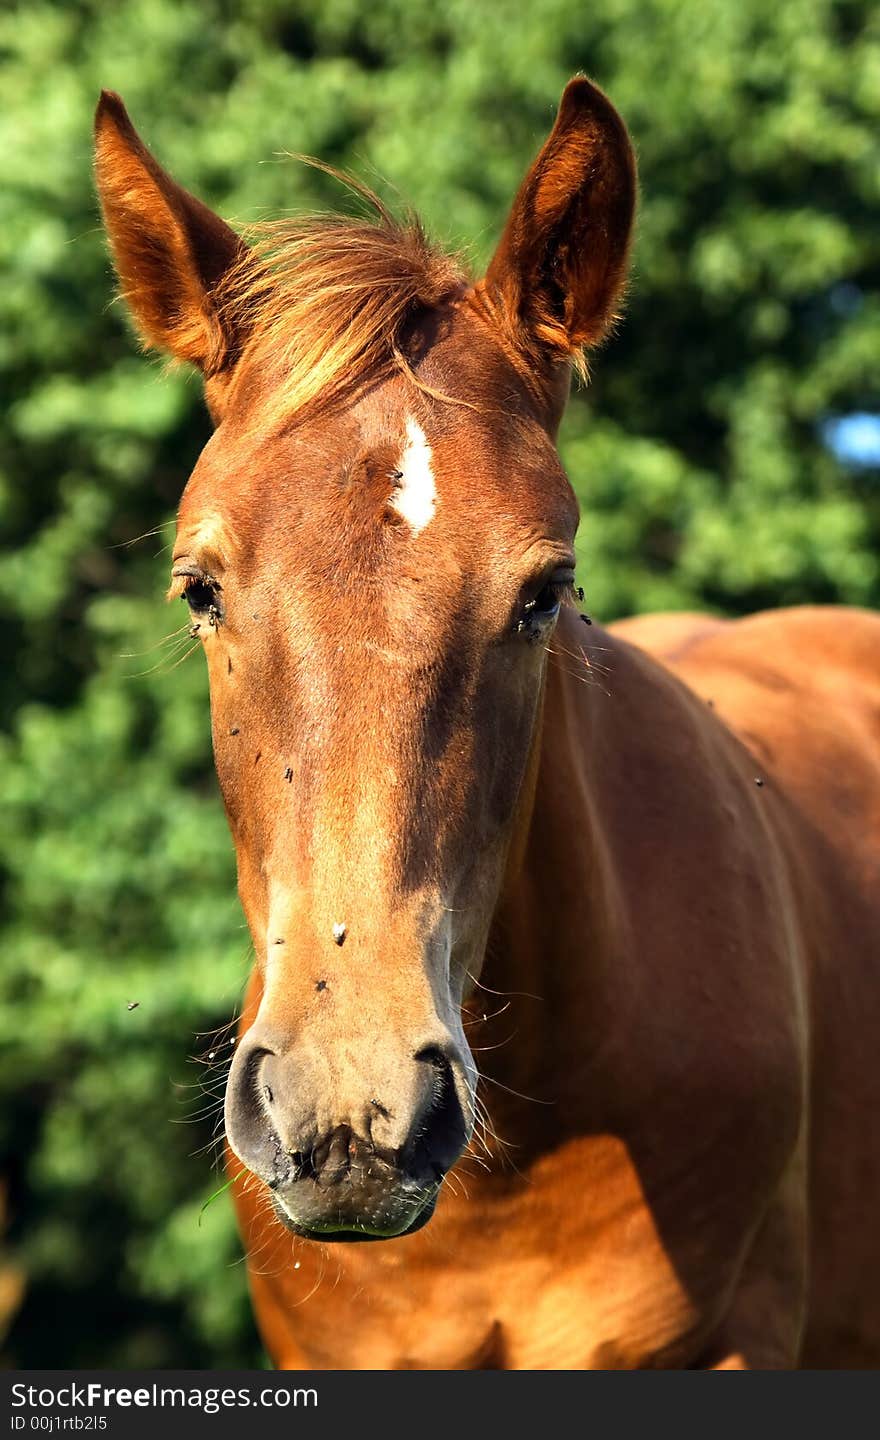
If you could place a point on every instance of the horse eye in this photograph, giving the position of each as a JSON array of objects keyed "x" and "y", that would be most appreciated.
[
  {"x": 543, "y": 607},
  {"x": 199, "y": 595},
  {"x": 548, "y": 599}
]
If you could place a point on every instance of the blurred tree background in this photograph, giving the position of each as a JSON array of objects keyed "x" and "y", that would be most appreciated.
[{"x": 707, "y": 454}]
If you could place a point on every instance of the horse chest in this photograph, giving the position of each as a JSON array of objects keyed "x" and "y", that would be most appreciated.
[{"x": 541, "y": 1278}]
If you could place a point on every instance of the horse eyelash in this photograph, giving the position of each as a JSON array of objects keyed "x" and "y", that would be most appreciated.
[
  {"x": 185, "y": 579},
  {"x": 561, "y": 589}
]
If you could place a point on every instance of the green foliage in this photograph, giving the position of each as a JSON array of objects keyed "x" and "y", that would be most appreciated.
[{"x": 697, "y": 453}]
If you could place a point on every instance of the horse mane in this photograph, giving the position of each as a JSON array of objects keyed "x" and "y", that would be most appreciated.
[{"x": 325, "y": 300}]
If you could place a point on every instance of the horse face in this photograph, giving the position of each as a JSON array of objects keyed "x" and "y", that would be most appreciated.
[
  {"x": 374, "y": 547},
  {"x": 376, "y": 591}
]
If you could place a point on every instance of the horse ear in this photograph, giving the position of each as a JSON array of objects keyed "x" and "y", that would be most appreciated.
[
  {"x": 171, "y": 251},
  {"x": 558, "y": 274}
]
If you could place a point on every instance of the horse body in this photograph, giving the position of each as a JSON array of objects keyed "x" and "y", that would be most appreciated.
[
  {"x": 637, "y": 893},
  {"x": 802, "y": 688}
]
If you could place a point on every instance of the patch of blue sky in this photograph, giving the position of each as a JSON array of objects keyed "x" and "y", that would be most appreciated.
[{"x": 854, "y": 439}]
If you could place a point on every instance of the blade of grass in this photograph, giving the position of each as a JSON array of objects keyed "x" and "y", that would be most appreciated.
[{"x": 219, "y": 1191}]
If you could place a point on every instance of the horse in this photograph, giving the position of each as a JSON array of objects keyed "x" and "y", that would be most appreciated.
[{"x": 560, "y": 1047}]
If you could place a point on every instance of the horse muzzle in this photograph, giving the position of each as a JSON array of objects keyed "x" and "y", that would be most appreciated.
[{"x": 344, "y": 1159}]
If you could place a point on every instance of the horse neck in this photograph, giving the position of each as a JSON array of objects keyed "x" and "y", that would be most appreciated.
[{"x": 556, "y": 986}]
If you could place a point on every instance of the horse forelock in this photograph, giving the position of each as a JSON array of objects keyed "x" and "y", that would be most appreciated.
[{"x": 323, "y": 302}]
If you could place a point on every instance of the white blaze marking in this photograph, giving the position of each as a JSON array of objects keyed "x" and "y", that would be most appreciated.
[{"x": 416, "y": 495}]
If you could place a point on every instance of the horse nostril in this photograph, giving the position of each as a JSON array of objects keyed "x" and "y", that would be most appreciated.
[
  {"x": 247, "y": 1077},
  {"x": 443, "y": 1079},
  {"x": 442, "y": 1134},
  {"x": 247, "y": 1094},
  {"x": 431, "y": 1055}
]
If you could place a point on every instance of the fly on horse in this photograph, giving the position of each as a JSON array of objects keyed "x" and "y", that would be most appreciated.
[{"x": 567, "y": 981}]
